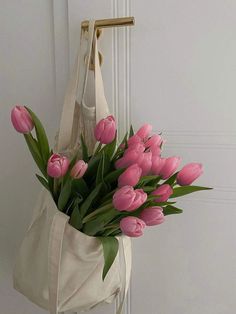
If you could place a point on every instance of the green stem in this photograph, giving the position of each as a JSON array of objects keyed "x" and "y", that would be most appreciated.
[
  {"x": 55, "y": 187},
  {"x": 34, "y": 150},
  {"x": 98, "y": 149},
  {"x": 109, "y": 232},
  {"x": 97, "y": 211},
  {"x": 106, "y": 198}
]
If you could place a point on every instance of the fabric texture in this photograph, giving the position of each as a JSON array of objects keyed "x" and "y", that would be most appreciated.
[{"x": 58, "y": 267}]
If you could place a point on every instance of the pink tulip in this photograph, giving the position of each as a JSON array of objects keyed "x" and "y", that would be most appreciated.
[
  {"x": 189, "y": 173},
  {"x": 127, "y": 160},
  {"x": 145, "y": 163},
  {"x": 170, "y": 166},
  {"x": 154, "y": 140},
  {"x": 21, "y": 120},
  {"x": 130, "y": 157},
  {"x": 79, "y": 169},
  {"x": 135, "y": 139},
  {"x": 132, "y": 226},
  {"x": 130, "y": 176},
  {"x": 128, "y": 199},
  {"x": 105, "y": 130},
  {"x": 157, "y": 164},
  {"x": 57, "y": 166},
  {"x": 138, "y": 147},
  {"x": 152, "y": 216},
  {"x": 164, "y": 192},
  {"x": 122, "y": 146},
  {"x": 156, "y": 150},
  {"x": 144, "y": 131}
]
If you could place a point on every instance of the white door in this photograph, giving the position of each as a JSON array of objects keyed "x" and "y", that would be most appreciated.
[{"x": 175, "y": 69}]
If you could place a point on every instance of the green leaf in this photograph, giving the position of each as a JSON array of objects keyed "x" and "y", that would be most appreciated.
[
  {"x": 125, "y": 138},
  {"x": 114, "y": 175},
  {"x": 146, "y": 179},
  {"x": 116, "y": 233},
  {"x": 101, "y": 210},
  {"x": 93, "y": 226},
  {"x": 149, "y": 188},
  {"x": 92, "y": 167},
  {"x": 100, "y": 172},
  {"x": 80, "y": 186},
  {"x": 76, "y": 219},
  {"x": 110, "y": 248},
  {"x": 184, "y": 190},
  {"x": 109, "y": 149},
  {"x": 161, "y": 204},
  {"x": 109, "y": 229},
  {"x": 108, "y": 196},
  {"x": 120, "y": 150},
  {"x": 43, "y": 182},
  {"x": 41, "y": 136},
  {"x": 65, "y": 194},
  {"x": 155, "y": 182},
  {"x": 171, "y": 180},
  {"x": 90, "y": 199},
  {"x": 170, "y": 210},
  {"x": 35, "y": 153},
  {"x": 131, "y": 131},
  {"x": 84, "y": 149}
]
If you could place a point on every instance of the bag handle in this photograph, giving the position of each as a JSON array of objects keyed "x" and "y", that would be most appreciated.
[
  {"x": 77, "y": 78},
  {"x": 102, "y": 109},
  {"x": 54, "y": 258},
  {"x": 79, "y": 83},
  {"x": 84, "y": 69}
]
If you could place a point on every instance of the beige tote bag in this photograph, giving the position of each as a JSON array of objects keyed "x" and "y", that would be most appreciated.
[{"x": 58, "y": 267}]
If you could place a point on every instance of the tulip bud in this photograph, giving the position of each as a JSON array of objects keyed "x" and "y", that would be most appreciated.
[
  {"x": 157, "y": 164},
  {"x": 21, "y": 120},
  {"x": 145, "y": 163},
  {"x": 132, "y": 226},
  {"x": 128, "y": 199},
  {"x": 154, "y": 140},
  {"x": 135, "y": 139},
  {"x": 152, "y": 216},
  {"x": 189, "y": 173},
  {"x": 130, "y": 157},
  {"x": 156, "y": 150},
  {"x": 170, "y": 166},
  {"x": 164, "y": 192},
  {"x": 144, "y": 131},
  {"x": 130, "y": 176},
  {"x": 138, "y": 147},
  {"x": 79, "y": 169},
  {"x": 57, "y": 166},
  {"x": 105, "y": 130}
]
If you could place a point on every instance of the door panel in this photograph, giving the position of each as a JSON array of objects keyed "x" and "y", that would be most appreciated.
[{"x": 175, "y": 69}]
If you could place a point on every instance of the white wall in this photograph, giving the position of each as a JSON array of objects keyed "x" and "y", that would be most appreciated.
[
  {"x": 176, "y": 69},
  {"x": 27, "y": 76}
]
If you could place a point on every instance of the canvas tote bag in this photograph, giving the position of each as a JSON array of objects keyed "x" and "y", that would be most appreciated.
[{"x": 58, "y": 267}]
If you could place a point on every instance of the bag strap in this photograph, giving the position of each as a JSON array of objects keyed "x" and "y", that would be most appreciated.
[
  {"x": 84, "y": 69},
  {"x": 102, "y": 109},
  {"x": 78, "y": 83},
  {"x": 78, "y": 75},
  {"x": 54, "y": 258}
]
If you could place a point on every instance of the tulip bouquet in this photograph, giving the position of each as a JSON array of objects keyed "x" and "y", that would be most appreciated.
[{"x": 119, "y": 189}]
